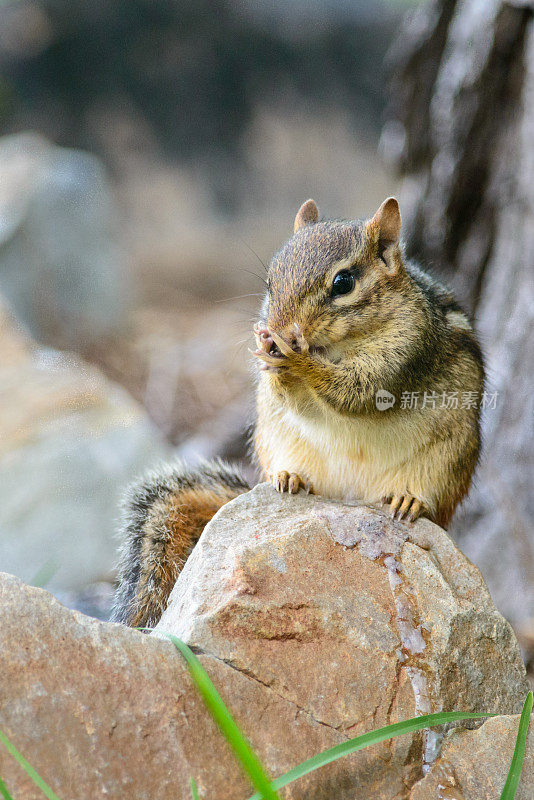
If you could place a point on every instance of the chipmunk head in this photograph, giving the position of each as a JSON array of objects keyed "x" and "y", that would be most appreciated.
[{"x": 335, "y": 279}]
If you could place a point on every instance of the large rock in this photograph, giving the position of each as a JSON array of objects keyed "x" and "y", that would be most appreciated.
[
  {"x": 61, "y": 266},
  {"x": 269, "y": 574},
  {"x": 316, "y": 622},
  {"x": 101, "y": 710},
  {"x": 69, "y": 441},
  {"x": 333, "y": 609}
]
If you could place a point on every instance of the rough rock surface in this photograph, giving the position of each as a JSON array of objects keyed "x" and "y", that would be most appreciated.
[
  {"x": 69, "y": 442},
  {"x": 104, "y": 711},
  {"x": 474, "y": 764},
  {"x": 334, "y": 610},
  {"x": 317, "y": 622}
]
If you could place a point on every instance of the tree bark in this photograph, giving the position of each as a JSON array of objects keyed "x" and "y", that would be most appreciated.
[{"x": 461, "y": 131}]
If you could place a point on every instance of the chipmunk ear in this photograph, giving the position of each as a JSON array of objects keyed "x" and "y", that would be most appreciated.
[
  {"x": 385, "y": 228},
  {"x": 387, "y": 221},
  {"x": 307, "y": 214}
]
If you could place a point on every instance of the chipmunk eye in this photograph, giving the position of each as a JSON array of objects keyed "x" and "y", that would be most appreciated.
[{"x": 343, "y": 283}]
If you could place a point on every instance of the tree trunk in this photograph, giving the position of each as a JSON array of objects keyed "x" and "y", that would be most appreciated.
[{"x": 461, "y": 131}]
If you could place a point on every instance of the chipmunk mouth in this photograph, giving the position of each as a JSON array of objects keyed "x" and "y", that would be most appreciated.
[
  {"x": 267, "y": 337},
  {"x": 265, "y": 340},
  {"x": 274, "y": 351}
]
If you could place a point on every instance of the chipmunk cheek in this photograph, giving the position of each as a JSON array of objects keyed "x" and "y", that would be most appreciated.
[{"x": 339, "y": 328}]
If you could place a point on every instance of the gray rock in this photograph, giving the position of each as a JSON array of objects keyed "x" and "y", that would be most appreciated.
[
  {"x": 61, "y": 266},
  {"x": 69, "y": 442}
]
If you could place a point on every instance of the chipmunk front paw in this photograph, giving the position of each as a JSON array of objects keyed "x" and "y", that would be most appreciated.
[
  {"x": 275, "y": 352},
  {"x": 263, "y": 337},
  {"x": 404, "y": 506},
  {"x": 290, "y": 482}
]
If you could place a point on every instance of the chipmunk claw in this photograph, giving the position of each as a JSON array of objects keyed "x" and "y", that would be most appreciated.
[
  {"x": 275, "y": 352},
  {"x": 271, "y": 362},
  {"x": 298, "y": 347},
  {"x": 263, "y": 338},
  {"x": 403, "y": 506},
  {"x": 290, "y": 482},
  {"x": 416, "y": 509},
  {"x": 282, "y": 345},
  {"x": 267, "y": 351}
]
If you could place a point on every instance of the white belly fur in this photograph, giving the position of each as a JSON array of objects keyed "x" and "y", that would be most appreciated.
[{"x": 351, "y": 458}]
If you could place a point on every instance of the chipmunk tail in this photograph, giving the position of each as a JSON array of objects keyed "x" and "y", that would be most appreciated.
[{"x": 163, "y": 517}]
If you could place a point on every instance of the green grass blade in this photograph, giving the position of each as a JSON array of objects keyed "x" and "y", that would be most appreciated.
[
  {"x": 233, "y": 735},
  {"x": 514, "y": 773},
  {"x": 36, "y": 778},
  {"x": 194, "y": 790},
  {"x": 3, "y": 791},
  {"x": 367, "y": 739}
]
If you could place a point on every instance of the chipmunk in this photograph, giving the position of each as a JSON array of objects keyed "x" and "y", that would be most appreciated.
[{"x": 346, "y": 321}]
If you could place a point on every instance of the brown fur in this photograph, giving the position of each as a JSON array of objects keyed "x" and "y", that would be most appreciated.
[
  {"x": 398, "y": 331},
  {"x": 182, "y": 517},
  {"x": 164, "y": 517}
]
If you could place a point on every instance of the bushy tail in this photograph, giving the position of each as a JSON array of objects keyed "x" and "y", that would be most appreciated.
[{"x": 163, "y": 517}]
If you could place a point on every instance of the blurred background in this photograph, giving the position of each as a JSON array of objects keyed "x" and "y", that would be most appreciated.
[{"x": 153, "y": 154}]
